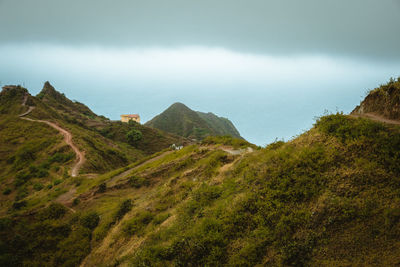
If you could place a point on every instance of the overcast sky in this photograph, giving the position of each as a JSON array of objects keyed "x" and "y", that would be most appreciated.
[{"x": 269, "y": 66}]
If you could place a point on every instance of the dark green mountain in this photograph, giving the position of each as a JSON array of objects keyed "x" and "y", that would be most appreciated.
[{"x": 181, "y": 120}]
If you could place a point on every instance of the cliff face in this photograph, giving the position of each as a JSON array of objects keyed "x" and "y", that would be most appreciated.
[{"x": 383, "y": 101}]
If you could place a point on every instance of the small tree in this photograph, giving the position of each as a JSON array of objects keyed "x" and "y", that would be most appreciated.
[
  {"x": 133, "y": 136},
  {"x": 90, "y": 220}
]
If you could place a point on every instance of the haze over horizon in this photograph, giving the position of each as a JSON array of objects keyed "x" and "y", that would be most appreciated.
[{"x": 268, "y": 66}]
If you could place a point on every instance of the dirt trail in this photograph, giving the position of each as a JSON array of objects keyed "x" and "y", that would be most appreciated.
[
  {"x": 375, "y": 117},
  {"x": 67, "y": 138},
  {"x": 237, "y": 151}
]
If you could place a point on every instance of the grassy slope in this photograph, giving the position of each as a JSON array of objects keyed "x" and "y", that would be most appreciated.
[
  {"x": 384, "y": 101},
  {"x": 181, "y": 120},
  {"x": 329, "y": 197},
  {"x": 222, "y": 126},
  {"x": 35, "y": 161}
]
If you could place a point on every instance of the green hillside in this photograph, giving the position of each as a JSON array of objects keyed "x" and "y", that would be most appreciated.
[
  {"x": 383, "y": 101},
  {"x": 181, "y": 120},
  {"x": 222, "y": 126},
  {"x": 329, "y": 197},
  {"x": 35, "y": 157}
]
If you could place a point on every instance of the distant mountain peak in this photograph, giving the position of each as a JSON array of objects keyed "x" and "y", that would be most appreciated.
[
  {"x": 181, "y": 120},
  {"x": 49, "y": 91}
]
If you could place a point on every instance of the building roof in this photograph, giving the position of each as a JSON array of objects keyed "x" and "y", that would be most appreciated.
[{"x": 131, "y": 115}]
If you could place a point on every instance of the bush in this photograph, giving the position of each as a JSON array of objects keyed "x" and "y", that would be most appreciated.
[
  {"x": 7, "y": 191},
  {"x": 53, "y": 212},
  {"x": 90, "y": 220},
  {"x": 137, "y": 182},
  {"x": 138, "y": 223},
  {"x": 21, "y": 193},
  {"x": 102, "y": 188},
  {"x": 38, "y": 186},
  {"x": 160, "y": 218},
  {"x": 133, "y": 136},
  {"x": 19, "y": 204},
  {"x": 76, "y": 201},
  {"x": 61, "y": 157},
  {"x": 123, "y": 209}
]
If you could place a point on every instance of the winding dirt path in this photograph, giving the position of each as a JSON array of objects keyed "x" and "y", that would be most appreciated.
[
  {"x": 375, "y": 117},
  {"x": 80, "y": 155}
]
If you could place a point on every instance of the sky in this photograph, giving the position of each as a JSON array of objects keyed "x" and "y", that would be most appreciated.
[{"x": 270, "y": 66}]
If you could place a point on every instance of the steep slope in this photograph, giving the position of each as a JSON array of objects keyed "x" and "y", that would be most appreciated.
[
  {"x": 152, "y": 140},
  {"x": 330, "y": 197},
  {"x": 181, "y": 120},
  {"x": 383, "y": 102},
  {"x": 222, "y": 126},
  {"x": 45, "y": 140}
]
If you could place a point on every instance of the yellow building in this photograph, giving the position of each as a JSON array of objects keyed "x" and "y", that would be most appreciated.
[{"x": 130, "y": 117}]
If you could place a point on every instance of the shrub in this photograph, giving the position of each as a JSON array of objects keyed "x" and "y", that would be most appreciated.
[
  {"x": 137, "y": 224},
  {"x": 21, "y": 193},
  {"x": 123, "y": 209},
  {"x": 133, "y": 136},
  {"x": 102, "y": 188},
  {"x": 76, "y": 201},
  {"x": 53, "y": 212},
  {"x": 160, "y": 218},
  {"x": 19, "y": 204},
  {"x": 38, "y": 186},
  {"x": 138, "y": 182},
  {"x": 90, "y": 220},
  {"x": 7, "y": 191},
  {"x": 57, "y": 182},
  {"x": 72, "y": 250},
  {"x": 61, "y": 157}
]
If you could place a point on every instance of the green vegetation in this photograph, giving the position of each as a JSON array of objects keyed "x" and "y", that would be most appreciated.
[
  {"x": 293, "y": 204},
  {"x": 133, "y": 136},
  {"x": 135, "y": 225},
  {"x": 329, "y": 197},
  {"x": 51, "y": 237},
  {"x": 227, "y": 140},
  {"x": 383, "y": 101},
  {"x": 137, "y": 182},
  {"x": 124, "y": 208},
  {"x": 181, "y": 120},
  {"x": 90, "y": 220}
]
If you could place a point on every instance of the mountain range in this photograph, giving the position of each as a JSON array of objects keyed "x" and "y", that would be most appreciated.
[{"x": 329, "y": 197}]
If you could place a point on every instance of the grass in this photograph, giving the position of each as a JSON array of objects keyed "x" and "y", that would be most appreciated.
[{"x": 329, "y": 197}]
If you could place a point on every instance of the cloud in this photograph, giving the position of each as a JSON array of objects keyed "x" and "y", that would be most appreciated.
[
  {"x": 206, "y": 66},
  {"x": 358, "y": 28}
]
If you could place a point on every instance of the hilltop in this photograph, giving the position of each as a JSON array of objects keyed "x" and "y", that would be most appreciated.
[
  {"x": 51, "y": 137},
  {"x": 383, "y": 101},
  {"x": 329, "y": 197},
  {"x": 181, "y": 120}
]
